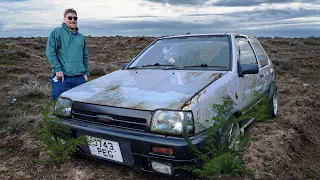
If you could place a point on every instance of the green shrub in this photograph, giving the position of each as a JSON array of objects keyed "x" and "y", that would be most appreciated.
[
  {"x": 225, "y": 157},
  {"x": 57, "y": 141}
]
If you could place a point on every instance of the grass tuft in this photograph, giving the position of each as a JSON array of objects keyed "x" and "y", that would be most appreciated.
[
  {"x": 97, "y": 70},
  {"x": 31, "y": 89},
  {"x": 17, "y": 121},
  {"x": 25, "y": 78},
  {"x": 285, "y": 65}
]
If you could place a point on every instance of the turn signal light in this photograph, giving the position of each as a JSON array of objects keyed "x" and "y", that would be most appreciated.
[{"x": 162, "y": 150}]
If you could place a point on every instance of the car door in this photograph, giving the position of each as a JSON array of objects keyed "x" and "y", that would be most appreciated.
[
  {"x": 250, "y": 85},
  {"x": 265, "y": 66}
]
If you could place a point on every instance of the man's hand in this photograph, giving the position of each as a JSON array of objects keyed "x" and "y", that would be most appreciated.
[
  {"x": 85, "y": 77},
  {"x": 60, "y": 75}
]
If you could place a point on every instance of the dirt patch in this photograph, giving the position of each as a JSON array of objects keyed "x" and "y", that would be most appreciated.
[{"x": 287, "y": 147}]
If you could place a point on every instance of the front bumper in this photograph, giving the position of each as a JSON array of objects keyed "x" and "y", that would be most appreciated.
[{"x": 136, "y": 147}]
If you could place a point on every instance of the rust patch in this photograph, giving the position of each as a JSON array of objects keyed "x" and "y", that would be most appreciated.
[
  {"x": 187, "y": 104},
  {"x": 176, "y": 105},
  {"x": 216, "y": 76},
  {"x": 198, "y": 97},
  {"x": 212, "y": 77},
  {"x": 198, "y": 110},
  {"x": 198, "y": 113},
  {"x": 190, "y": 75}
]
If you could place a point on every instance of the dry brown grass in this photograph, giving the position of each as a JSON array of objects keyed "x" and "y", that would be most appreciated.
[
  {"x": 287, "y": 148},
  {"x": 284, "y": 64},
  {"x": 30, "y": 88},
  {"x": 97, "y": 69},
  {"x": 19, "y": 121},
  {"x": 24, "y": 78}
]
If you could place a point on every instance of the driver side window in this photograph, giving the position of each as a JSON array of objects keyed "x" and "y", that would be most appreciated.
[{"x": 245, "y": 53}]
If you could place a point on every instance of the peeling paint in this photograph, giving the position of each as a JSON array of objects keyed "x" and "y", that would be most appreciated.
[
  {"x": 198, "y": 97},
  {"x": 198, "y": 104},
  {"x": 187, "y": 105},
  {"x": 213, "y": 77},
  {"x": 198, "y": 113},
  {"x": 191, "y": 75},
  {"x": 176, "y": 105},
  {"x": 202, "y": 103}
]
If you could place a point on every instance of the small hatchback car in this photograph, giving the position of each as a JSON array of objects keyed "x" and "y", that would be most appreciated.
[{"x": 136, "y": 116}]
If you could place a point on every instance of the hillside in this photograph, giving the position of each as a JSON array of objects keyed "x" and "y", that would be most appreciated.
[{"x": 287, "y": 147}]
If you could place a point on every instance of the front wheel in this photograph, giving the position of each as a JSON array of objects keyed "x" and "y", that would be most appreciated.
[
  {"x": 273, "y": 101},
  {"x": 234, "y": 134},
  {"x": 274, "y": 104}
]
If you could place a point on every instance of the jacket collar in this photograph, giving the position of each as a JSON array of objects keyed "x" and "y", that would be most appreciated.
[{"x": 67, "y": 29}]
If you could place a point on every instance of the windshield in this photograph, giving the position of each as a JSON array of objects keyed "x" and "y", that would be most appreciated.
[{"x": 205, "y": 52}]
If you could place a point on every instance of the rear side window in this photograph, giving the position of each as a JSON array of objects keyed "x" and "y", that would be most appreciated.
[
  {"x": 245, "y": 53},
  {"x": 261, "y": 55}
]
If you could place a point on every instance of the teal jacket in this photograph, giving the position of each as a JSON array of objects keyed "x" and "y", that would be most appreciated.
[{"x": 67, "y": 51}]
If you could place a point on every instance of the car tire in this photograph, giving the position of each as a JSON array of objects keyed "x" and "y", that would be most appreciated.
[
  {"x": 224, "y": 137},
  {"x": 273, "y": 101},
  {"x": 233, "y": 135},
  {"x": 274, "y": 104}
]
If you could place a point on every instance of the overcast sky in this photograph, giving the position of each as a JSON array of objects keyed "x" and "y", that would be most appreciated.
[{"x": 300, "y": 18}]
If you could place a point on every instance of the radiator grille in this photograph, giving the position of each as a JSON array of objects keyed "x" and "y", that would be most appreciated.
[{"x": 119, "y": 121}]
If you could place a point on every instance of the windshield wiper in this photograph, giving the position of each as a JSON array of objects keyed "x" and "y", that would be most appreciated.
[
  {"x": 204, "y": 65},
  {"x": 134, "y": 67},
  {"x": 157, "y": 64},
  {"x": 150, "y": 65}
]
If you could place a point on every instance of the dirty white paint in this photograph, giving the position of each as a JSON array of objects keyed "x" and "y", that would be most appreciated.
[
  {"x": 201, "y": 104},
  {"x": 147, "y": 89}
]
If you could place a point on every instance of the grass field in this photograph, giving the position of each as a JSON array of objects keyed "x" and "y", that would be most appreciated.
[{"x": 287, "y": 147}]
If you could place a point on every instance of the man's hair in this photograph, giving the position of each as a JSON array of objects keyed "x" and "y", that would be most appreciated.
[{"x": 69, "y": 10}]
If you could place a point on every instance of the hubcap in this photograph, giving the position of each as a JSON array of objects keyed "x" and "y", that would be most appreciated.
[
  {"x": 275, "y": 103},
  {"x": 234, "y": 134}
]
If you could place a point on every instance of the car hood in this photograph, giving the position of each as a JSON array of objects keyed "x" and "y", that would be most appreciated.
[{"x": 146, "y": 89}]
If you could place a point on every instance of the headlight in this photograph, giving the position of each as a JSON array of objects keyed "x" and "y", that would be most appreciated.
[
  {"x": 63, "y": 107},
  {"x": 172, "y": 122}
]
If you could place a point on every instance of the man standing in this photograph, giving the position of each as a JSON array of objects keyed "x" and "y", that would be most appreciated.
[{"x": 67, "y": 53}]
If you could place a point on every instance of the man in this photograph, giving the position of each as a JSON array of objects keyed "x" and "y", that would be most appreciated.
[{"x": 67, "y": 53}]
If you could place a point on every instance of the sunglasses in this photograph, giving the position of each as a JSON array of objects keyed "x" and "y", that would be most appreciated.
[{"x": 75, "y": 18}]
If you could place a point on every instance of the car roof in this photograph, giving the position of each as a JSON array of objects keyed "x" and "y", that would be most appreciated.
[{"x": 197, "y": 35}]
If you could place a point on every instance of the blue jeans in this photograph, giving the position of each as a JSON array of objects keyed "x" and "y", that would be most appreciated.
[{"x": 69, "y": 82}]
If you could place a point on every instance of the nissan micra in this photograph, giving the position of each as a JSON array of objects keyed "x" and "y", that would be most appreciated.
[{"x": 137, "y": 116}]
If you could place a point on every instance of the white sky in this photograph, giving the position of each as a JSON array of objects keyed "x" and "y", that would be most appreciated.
[{"x": 142, "y": 17}]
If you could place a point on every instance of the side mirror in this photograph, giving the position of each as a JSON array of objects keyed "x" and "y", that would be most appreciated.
[
  {"x": 244, "y": 69},
  {"x": 124, "y": 66}
]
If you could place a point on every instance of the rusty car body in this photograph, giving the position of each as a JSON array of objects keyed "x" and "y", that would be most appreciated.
[{"x": 140, "y": 113}]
